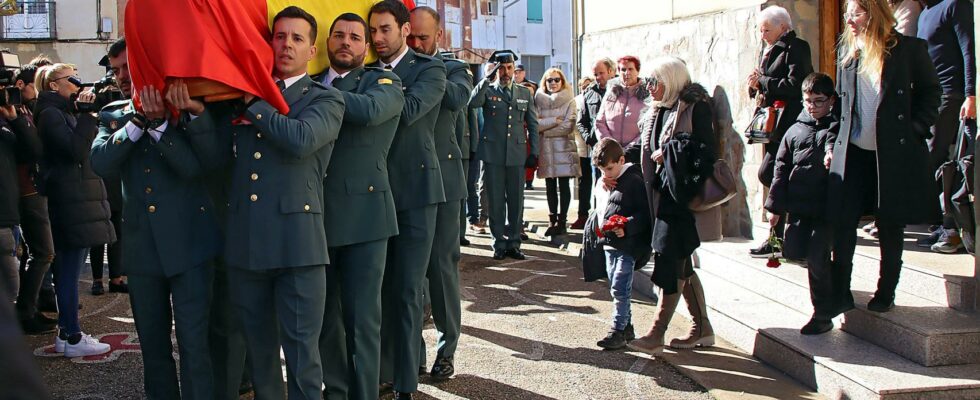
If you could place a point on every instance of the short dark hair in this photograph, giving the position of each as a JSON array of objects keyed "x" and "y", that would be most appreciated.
[
  {"x": 296, "y": 12},
  {"x": 819, "y": 83},
  {"x": 351, "y": 17},
  {"x": 431, "y": 11},
  {"x": 26, "y": 73},
  {"x": 608, "y": 150},
  {"x": 396, "y": 8},
  {"x": 117, "y": 47}
]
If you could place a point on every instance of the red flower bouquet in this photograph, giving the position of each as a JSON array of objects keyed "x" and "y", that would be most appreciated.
[
  {"x": 777, "y": 245},
  {"x": 614, "y": 222}
]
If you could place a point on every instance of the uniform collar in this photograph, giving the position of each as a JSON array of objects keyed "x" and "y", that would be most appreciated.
[
  {"x": 290, "y": 81},
  {"x": 332, "y": 74},
  {"x": 394, "y": 63}
]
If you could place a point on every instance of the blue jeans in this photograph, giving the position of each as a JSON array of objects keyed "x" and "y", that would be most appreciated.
[
  {"x": 619, "y": 269},
  {"x": 67, "y": 266},
  {"x": 472, "y": 197}
]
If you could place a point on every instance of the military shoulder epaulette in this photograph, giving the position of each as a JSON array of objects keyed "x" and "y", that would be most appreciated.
[
  {"x": 425, "y": 57},
  {"x": 115, "y": 105}
]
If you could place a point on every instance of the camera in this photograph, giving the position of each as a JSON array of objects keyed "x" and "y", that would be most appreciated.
[
  {"x": 105, "y": 90},
  {"x": 9, "y": 94}
]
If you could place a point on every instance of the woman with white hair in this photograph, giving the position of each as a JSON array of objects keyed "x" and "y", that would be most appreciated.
[
  {"x": 679, "y": 147},
  {"x": 783, "y": 64}
]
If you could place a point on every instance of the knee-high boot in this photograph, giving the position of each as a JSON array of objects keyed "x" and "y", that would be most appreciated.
[
  {"x": 701, "y": 333},
  {"x": 653, "y": 342}
]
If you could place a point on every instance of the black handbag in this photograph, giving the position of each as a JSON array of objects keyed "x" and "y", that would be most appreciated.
[{"x": 956, "y": 177}]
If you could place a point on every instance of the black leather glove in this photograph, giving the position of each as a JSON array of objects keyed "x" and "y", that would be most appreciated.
[
  {"x": 532, "y": 161},
  {"x": 591, "y": 140},
  {"x": 472, "y": 155}
]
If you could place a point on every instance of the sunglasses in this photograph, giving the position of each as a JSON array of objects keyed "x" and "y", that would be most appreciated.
[{"x": 553, "y": 80}]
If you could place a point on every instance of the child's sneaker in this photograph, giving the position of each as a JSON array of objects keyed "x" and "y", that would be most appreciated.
[
  {"x": 615, "y": 340},
  {"x": 85, "y": 346},
  {"x": 628, "y": 332}
]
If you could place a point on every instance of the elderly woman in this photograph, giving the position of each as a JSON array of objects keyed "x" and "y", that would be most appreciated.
[
  {"x": 559, "y": 160},
  {"x": 679, "y": 148},
  {"x": 783, "y": 64},
  {"x": 623, "y": 105},
  {"x": 879, "y": 164}
]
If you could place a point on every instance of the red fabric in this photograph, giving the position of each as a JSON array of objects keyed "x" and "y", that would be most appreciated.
[{"x": 221, "y": 40}]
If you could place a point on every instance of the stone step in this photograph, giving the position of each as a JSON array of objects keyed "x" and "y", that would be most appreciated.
[
  {"x": 922, "y": 331},
  {"x": 837, "y": 364}
]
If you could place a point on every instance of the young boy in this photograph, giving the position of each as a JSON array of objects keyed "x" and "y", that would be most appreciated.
[
  {"x": 799, "y": 188},
  {"x": 626, "y": 247}
]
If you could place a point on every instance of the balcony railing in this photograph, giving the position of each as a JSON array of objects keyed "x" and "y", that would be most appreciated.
[{"x": 35, "y": 21}]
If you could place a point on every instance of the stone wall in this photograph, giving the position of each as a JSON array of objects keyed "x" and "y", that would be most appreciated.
[{"x": 721, "y": 49}]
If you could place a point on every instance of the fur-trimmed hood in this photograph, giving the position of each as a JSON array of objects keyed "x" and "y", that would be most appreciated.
[
  {"x": 543, "y": 100},
  {"x": 693, "y": 93}
]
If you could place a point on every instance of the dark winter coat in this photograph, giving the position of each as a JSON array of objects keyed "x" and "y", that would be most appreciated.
[
  {"x": 77, "y": 200},
  {"x": 688, "y": 158},
  {"x": 910, "y": 97},
  {"x": 628, "y": 199},
  {"x": 19, "y": 143},
  {"x": 783, "y": 71},
  {"x": 592, "y": 100},
  {"x": 799, "y": 186}
]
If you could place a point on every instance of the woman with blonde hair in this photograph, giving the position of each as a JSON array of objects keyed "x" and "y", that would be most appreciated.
[
  {"x": 78, "y": 205},
  {"x": 679, "y": 148},
  {"x": 879, "y": 163},
  {"x": 559, "y": 160}
]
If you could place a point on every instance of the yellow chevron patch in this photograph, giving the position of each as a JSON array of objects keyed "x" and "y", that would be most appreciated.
[{"x": 384, "y": 81}]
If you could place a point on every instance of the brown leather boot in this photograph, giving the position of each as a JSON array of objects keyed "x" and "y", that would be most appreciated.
[
  {"x": 701, "y": 333},
  {"x": 653, "y": 342}
]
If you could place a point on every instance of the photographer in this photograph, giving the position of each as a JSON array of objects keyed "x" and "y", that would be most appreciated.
[{"x": 79, "y": 209}]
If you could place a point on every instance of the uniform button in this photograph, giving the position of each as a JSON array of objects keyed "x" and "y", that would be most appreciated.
[
  {"x": 149, "y": 190},
  {"x": 510, "y": 117},
  {"x": 901, "y": 141},
  {"x": 508, "y": 135},
  {"x": 152, "y": 209},
  {"x": 255, "y": 176},
  {"x": 901, "y": 117},
  {"x": 202, "y": 208},
  {"x": 900, "y": 91},
  {"x": 257, "y": 155},
  {"x": 147, "y": 170},
  {"x": 510, "y": 108},
  {"x": 254, "y": 197},
  {"x": 508, "y": 126},
  {"x": 370, "y": 188},
  {"x": 259, "y": 135},
  {"x": 258, "y": 116},
  {"x": 423, "y": 165},
  {"x": 450, "y": 156},
  {"x": 306, "y": 207}
]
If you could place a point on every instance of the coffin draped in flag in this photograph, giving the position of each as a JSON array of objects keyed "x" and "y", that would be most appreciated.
[{"x": 221, "y": 46}]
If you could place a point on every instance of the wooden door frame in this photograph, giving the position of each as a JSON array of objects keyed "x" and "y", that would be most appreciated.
[{"x": 830, "y": 29}]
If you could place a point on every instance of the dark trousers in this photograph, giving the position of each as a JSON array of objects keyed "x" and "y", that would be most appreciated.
[
  {"x": 350, "y": 342},
  {"x": 97, "y": 254},
  {"x": 506, "y": 201},
  {"x": 184, "y": 299},
  {"x": 36, "y": 228},
  {"x": 282, "y": 308},
  {"x": 401, "y": 297},
  {"x": 813, "y": 237},
  {"x": 860, "y": 189},
  {"x": 443, "y": 283},
  {"x": 559, "y": 195},
  {"x": 8, "y": 264},
  {"x": 473, "y": 196},
  {"x": 944, "y": 139},
  {"x": 67, "y": 266},
  {"x": 227, "y": 339},
  {"x": 585, "y": 184}
]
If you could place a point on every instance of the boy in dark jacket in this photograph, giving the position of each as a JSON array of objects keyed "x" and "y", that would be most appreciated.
[
  {"x": 799, "y": 188},
  {"x": 620, "y": 192}
]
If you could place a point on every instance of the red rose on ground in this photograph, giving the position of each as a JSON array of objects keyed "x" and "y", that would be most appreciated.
[{"x": 773, "y": 263}]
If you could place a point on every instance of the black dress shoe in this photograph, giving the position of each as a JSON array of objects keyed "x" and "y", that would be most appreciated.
[
  {"x": 422, "y": 371},
  {"x": 98, "y": 288},
  {"x": 385, "y": 387},
  {"x": 46, "y": 301},
  {"x": 817, "y": 326},
  {"x": 442, "y": 369},
  {"x": 245, "y": 388},
  {"x": 524, "y": 237},
  {"x": 403, "y": 396},
  {"x": 44, "y": 319},
  {"x": 499, "y": 254},
  {"x": 118, "y": 287},
  {"x": 881, "y": 303},
  {"x": 464, "y": 241},
  {"x": 515, "y": 254},
  {"x": 32, "y": 326}
]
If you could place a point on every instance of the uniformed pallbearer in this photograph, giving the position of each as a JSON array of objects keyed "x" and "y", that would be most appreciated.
[
  {"x": 359, "y": 213},
  {"x": 443, "y": 270},
  {"x": 416, "y": 184},
  {"x": 507, "y": 109},
  {"x": 276, "y": 247},
  {"x": 171, "y": 235}
]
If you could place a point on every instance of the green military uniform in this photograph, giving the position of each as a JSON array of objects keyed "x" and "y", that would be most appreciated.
[
  {"x": 503, "y": 150},
  {"x": 468, "y": 137},
  {"x": 359, "y": 217},
  {"x": 171, "y": 241},
  {"x": 416, "y": 183},
  {"x": 276, "y": 243},
  {"x": 443, "y": 271}
]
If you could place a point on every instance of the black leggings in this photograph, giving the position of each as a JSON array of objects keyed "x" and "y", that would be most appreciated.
[{"x": 552, "y": 186}]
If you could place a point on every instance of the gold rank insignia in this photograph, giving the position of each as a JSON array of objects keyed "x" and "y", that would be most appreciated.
[
  {"x": 469, "y": 72},
  {"x": 384, "y": 81},
  {"x": 114, "y": 124}
]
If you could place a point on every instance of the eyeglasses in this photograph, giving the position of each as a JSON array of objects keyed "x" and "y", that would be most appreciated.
[
  {"x": 652, "y": 82},
  {"x": 816, "y": 103},
  {"x": 853, "y": 16},
  {"x": 67, "y": 77},
  {"x": 553, "y": 80}
]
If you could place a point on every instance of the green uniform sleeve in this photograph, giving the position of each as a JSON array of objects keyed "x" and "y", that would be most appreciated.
[
  {"x": 459, "y": 83},
  {"x": 178, "y": 154},
  {"x": 479, "y": 94},
  {"x": 381, "y": 102},
  {"x": 316, "y": 126},
  {"x": 426, "y": 93},
  {"x": 110, "y": 150}
]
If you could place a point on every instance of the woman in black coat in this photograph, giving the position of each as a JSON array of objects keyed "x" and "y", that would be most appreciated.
[
  {"x": 783, "y": 65},
  {"x": 78, "y": 204},
  {"x": 890, "y": 97},
  {"x": 679, "y": 147}
]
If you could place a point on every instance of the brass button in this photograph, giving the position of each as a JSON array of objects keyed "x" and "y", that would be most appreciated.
[
  {"x": 423, "y": 165},
  {"x": 370, "y": 188},
  {"x": 254, "y": 197},
  {"x": 258, "y": 116},
  {"x": 147, "y": 170},
  {"x": 149, "y": 190},
  {"x": 508, "y": 135},
  {"x": 259, "y": 135},
  {"x": 202, "y": 208},
  {"x": 306, "y": 207},
  {"x": 508, "y": 126},
  {"x": 255, "y": 176},
  {"x": 510, "y": 108},
  {"x": 450, "y": 156},
  {"x": 510, "y": 117},
  {"x": 152, "y": 209},
  {"x": 257, "y": 155}
]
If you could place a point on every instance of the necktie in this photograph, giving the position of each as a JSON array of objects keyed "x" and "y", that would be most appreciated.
[
  {"x": 333, "y": 82},
  {"x": 389, "y": 67},
  {"x": 508, "y": 92},
  {"x": 281, "y": 84}
]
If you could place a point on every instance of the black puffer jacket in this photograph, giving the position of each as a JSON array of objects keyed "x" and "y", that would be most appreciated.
[
  {"x": 799, "y": 186},
  {"x": 77, "y": 201},
  {"x": 628, "y": 199},
  {"x": 18, "y": 143}
]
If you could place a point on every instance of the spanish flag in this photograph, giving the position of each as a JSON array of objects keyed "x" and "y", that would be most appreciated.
[{"x": 220, "y": 41}]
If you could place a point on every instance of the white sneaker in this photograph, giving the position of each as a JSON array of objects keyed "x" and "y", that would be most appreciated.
[
  {"x": 88, "y": 346},
  {"x": 59, "y": 345}
]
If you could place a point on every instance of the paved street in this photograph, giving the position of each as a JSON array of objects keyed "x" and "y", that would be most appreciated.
[{"x": 530, "y": 329}]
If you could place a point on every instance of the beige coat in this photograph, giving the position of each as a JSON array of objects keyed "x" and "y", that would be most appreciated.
[{"x": 556, "y": 125}]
